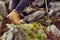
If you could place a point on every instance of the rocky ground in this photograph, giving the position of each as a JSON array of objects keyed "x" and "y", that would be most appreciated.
[{"x": 42, "y": 26}]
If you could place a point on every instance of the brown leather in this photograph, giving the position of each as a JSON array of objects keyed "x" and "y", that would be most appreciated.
[{"x": 14, "y": 17}]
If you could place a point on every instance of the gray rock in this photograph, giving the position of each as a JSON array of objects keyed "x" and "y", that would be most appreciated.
[
  {"x": 55, "y": 9},
  {"x": 34, "y": 16},
  {"x": 54, "y": 30},
  {"x": 14, "y": 34},
  {"x": 38, "y": 3},
  {"x": 3, "y": 10},
  {"x": 54, "y": 4}
]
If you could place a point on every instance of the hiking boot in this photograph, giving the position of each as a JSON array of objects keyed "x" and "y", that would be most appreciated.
[{"x": 14, "y": 17}]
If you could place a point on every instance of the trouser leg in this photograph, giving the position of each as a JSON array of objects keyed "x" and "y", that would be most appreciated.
[
  {"x": 13, "y": 4},
  {"x": 22, "y": 5},
  {"x": 18, "y": 5}
]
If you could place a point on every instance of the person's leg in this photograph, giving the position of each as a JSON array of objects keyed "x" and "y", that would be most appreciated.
[
  {"x": 14, "y": 15},
  {"x": 13, "y": 4},
  {"x": 22, "y": 5}
]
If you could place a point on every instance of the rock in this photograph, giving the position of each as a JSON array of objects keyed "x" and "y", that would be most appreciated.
[
  {"x": 3, "y": 28},
  {"x": 56, "y": 4},
  {"x": 55, "y": 9},
  {"x": 54, "y": 30},
  {"x": 38, "y": 3},
  {"x": 56, "y": 21},
  {"x": 3, "y": 9},
  {"x": 29, "y": 10},
  {"x": 34, "y": 16},
  {"x": 4, "y": 12},
  {"x": 54, "y": 12},
  {"x": 14, "y": 34}
]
